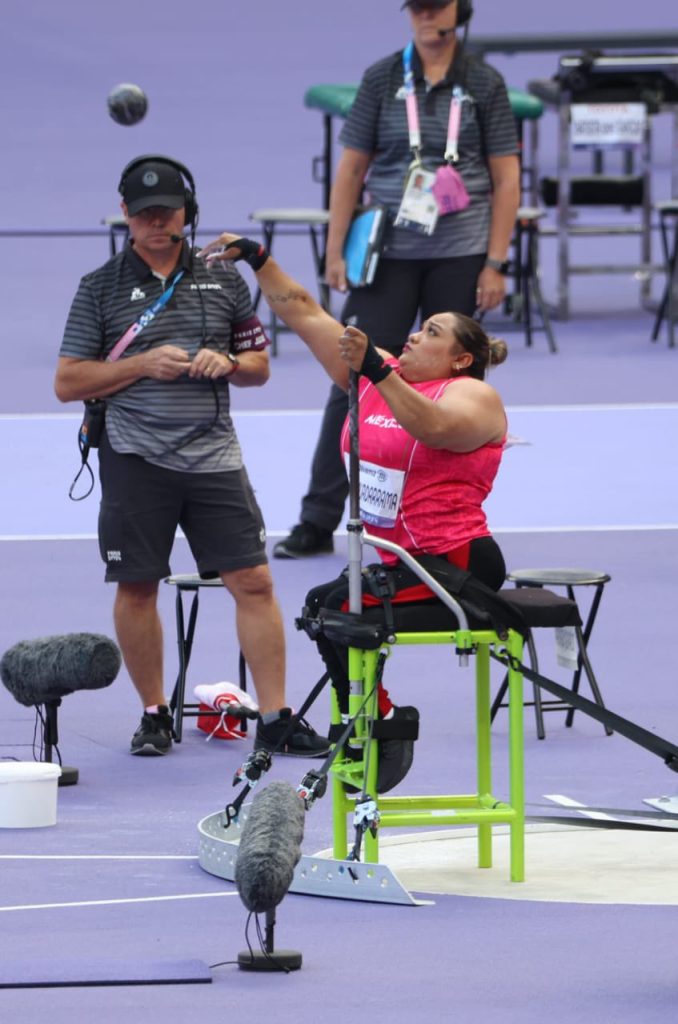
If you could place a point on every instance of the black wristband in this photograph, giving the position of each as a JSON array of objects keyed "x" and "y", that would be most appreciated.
[
  {"x": 373, "y": 365},
  {"x": 251, "y": 252}
]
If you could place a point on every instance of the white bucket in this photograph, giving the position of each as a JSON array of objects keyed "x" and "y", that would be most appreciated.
[{"x": 28, "y": 794}]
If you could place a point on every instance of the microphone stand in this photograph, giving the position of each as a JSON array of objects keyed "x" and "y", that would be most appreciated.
[
  {"x": 269, "y": 958},
  {"x": 50, "y": 739}
]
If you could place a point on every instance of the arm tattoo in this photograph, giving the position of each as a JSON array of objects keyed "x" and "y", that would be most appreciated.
[{"x": 290, "y": 296}]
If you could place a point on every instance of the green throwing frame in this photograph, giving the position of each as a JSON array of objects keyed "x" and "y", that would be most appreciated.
[{"x": 481, "y": 808}]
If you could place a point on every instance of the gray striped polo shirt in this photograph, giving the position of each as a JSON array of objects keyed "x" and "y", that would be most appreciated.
[
  {"x": 377, "y": 124},
  {"x": 183, "y": 424}
]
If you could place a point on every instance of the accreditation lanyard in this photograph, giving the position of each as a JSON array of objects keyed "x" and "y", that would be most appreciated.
[
  {"x": 143, "y": 321},
  {"x": 453, "y": 121}
]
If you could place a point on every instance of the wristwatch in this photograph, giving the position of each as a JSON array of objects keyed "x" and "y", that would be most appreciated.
[
  {"x": 500, "y": 265},
  {"x": 234, "y": 361}
]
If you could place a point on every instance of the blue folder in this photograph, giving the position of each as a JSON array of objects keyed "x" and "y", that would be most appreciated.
[{"x": 363, "y": 245}]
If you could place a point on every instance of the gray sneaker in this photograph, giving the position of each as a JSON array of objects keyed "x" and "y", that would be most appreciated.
[{"x": 154, "y": 736}]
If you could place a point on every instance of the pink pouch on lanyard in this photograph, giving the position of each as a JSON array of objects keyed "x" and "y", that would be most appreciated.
[{"x": 449, "y": 190}]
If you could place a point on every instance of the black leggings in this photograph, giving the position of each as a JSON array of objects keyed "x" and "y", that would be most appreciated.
[{"x": 486, "y": 563}]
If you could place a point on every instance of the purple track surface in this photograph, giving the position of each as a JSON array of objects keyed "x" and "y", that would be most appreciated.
[{"x": 117, "y": 878}]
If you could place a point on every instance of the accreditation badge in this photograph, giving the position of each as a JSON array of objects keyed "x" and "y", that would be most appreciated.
[{"x": 418, "y": 208}]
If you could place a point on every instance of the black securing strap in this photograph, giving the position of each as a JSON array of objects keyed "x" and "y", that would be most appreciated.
[
  {"x": 380, "y": 582},
  {"x": 348, "y": 629},
  {"x": 478, "y": 600},
  {"x": 655, "y": 744},
  {"x": 343, "y": 734},
  {"x": 384, "y": 729},
  {"x": 619, "y": 812},
  {"x": 609, "y": 823},
  {"x": 232, "y": 809}
]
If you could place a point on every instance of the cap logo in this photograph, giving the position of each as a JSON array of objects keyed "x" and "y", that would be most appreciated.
[{"x": 150, "y": 179}]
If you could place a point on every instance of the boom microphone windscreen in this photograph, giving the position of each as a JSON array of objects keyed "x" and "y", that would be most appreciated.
[
  {"x": 36, "y": 671},
  {"x": 270, "y": 847}
]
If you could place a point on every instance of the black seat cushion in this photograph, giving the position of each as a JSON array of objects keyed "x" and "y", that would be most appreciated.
[{"x": 541, "y": 607}]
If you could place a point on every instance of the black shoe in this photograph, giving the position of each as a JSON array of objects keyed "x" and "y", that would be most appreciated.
[
  {"x": 155, "y": 733},
  {"x": 305, "y": 540},
  {"x": 303, "y": 741},
  {"x": 396, "y": 756}
]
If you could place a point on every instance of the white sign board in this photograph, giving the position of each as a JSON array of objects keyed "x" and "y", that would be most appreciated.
[{"x": 607, "y": 124}]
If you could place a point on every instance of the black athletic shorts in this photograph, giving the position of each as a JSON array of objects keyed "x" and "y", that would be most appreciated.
[{"x": 142, "y": 505}]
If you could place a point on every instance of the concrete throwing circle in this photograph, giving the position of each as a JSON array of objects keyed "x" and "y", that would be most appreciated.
[{"x": 562, "y": 865}]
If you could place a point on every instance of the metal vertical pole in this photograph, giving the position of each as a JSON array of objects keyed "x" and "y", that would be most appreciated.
[{"x": 563, "y": 306}]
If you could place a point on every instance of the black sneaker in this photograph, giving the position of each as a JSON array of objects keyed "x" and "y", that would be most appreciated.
[
  {"x": 303, "y": 741},
  {"x": 305, "y": 540},
  {"x": 155, "y": 733}
]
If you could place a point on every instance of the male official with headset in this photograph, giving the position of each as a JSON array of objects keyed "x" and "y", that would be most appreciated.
[{"x": 161, "y": 337}]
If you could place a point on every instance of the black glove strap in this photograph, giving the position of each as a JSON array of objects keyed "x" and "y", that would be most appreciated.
[
  {"x": 251, "y": 252},
  {"x": 373, "y": 365}
]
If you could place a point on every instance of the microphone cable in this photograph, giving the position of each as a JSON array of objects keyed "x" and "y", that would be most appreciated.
[
  {"x": 270, "y": 957},
  {"x": 84, "y": 445},
  {"x": 71, "y": 489},
  {"x": 40, "y": 743}
]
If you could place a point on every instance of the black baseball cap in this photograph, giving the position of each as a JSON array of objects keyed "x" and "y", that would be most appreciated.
[
  {"x": 425, "y": 3},
  {"x": 153, "y": 183}
]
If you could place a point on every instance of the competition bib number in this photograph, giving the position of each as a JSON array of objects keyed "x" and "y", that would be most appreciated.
[{"x": 380, "y": 493}]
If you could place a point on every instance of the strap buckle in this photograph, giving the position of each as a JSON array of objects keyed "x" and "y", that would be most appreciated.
[
  {"x": 312, "y": 787},
  {"x": 253, "y": 767},
  {"x": 366, "y": 815}
]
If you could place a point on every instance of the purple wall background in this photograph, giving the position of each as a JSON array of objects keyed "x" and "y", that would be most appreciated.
[{"x": 225, "y": 83}]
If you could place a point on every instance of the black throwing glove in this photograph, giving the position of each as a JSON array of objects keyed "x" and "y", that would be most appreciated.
[
  {"x": 251, "y": 252},
  {"x": 373, "y": 365}
]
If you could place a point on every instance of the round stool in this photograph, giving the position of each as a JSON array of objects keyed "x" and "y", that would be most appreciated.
[{"x": 193, "y": 583}]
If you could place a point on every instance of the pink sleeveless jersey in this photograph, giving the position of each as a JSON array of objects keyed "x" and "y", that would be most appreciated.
[{"x": 443, "y": 491}]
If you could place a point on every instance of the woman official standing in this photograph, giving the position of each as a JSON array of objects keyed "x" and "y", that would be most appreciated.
[{"x": 458, "y": 115}]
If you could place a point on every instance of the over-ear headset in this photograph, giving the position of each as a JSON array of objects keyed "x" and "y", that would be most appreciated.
[
  {"x": 190, "y": 201},
  {"x": 464, "y": 11}
]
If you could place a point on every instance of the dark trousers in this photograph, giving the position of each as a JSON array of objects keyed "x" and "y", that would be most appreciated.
[{"x": 403, "y": 291}]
